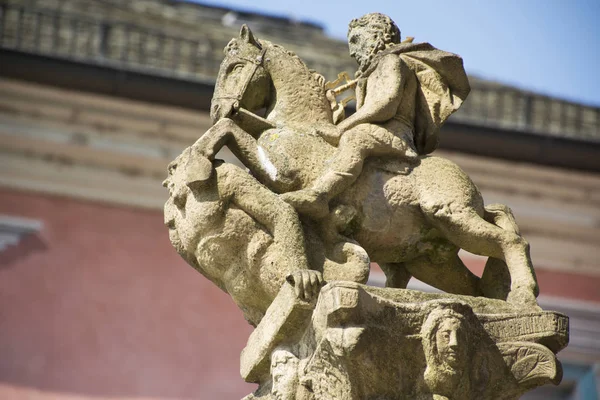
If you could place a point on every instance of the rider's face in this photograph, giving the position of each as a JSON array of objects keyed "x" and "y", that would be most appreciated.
[{"x": 361, "y": 40}]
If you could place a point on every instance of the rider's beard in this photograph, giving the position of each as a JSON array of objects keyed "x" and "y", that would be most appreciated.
[
  {"x": 362, "y": 60},
  {"x": 365, "y": 59}
]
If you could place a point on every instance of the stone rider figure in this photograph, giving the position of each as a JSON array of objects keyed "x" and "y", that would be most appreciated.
[{"x": 405, "y": 91}]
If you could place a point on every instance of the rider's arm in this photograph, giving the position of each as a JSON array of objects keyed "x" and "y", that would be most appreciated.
[{"x": 385, "y": 87}]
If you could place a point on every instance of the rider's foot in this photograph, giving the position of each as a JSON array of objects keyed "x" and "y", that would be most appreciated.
[
  {"x": 411, "y": 154},
  {"x": 308, "y": 202}
]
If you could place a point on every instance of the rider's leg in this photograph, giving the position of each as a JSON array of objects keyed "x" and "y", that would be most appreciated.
[
  {"x": 355, "y": 146},
  {"x": 345, "y": 167}
]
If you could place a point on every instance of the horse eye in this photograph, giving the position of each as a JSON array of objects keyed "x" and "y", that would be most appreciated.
[{"x": 236, "y": 67}]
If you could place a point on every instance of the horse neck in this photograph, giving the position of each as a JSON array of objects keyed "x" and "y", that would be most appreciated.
[{"x": 297, "y": 96}]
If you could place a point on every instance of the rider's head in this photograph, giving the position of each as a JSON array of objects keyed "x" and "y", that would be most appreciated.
[{"x": 370, "y": 34}]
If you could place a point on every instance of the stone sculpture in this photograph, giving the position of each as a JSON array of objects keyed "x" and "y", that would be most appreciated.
[
  {"x": 363, "y": 342},
  {"x": 326, "y": 196},
  {"x": 247, "y": 241}
]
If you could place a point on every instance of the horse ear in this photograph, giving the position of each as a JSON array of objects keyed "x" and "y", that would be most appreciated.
[{"x": 248, "y": 36}]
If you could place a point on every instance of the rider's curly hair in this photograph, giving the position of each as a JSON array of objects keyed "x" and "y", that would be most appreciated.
[
  {"x": 379, "y": 23},
  {"x": 387, "y": 32}
]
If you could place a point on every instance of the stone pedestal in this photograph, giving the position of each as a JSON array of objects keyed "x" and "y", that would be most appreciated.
[{"x": 362, "y": 342}]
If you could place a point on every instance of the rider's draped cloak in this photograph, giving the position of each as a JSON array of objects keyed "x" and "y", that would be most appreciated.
[{"x": 443, "y": 86}]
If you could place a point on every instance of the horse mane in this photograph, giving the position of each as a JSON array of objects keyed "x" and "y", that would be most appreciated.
[
  {"x": 312, "y": 81},
  {"x": 296, "y": 58}
]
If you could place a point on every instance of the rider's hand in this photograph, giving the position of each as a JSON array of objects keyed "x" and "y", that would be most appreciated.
[
  {"x": 333, "y": 103},
  {"x": 307, "y": 283},
  {"x": 337, "y": 109}
]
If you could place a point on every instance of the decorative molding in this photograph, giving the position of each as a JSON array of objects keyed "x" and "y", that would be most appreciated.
[{"x": 13, "y": 229}]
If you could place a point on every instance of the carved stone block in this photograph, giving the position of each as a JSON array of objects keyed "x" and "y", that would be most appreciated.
[
  {"x": 327, "y": 196},
  {"x": 362, "y": 342}
]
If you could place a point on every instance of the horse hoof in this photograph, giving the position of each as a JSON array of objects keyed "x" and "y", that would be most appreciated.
[
  {"x": 524, "y": 299},
  {"x": 198, "y": 169}
]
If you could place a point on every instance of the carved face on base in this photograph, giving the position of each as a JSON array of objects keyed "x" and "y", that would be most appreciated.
[
  {"x": 284, "y": 372},
  {"x": 447, "y": 350},
  {"x": 445, "y": 342},
  {"x": 451, "y": 343}
]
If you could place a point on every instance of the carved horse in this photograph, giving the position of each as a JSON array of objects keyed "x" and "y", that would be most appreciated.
[{"x": 411, "y": 220}]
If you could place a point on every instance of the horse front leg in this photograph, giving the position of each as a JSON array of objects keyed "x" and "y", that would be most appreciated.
[
  {"x": 286, "y": 258},
  {"x": 243, "y": 145}
]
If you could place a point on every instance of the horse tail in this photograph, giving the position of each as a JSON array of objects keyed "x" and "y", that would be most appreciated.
[
  {"x": 348, "y": 261},
  {"x": 495, "y": 281}
]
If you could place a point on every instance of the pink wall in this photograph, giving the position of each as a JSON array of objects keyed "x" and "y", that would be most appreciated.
[{"x": 99, "y": 305}]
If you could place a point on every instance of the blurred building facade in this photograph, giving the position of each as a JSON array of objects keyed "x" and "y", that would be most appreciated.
[{"x": 98, "y": 96}]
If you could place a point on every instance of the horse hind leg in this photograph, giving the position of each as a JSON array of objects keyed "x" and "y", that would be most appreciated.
[
  {"x": 495, "y": 280},
  {"x": 468, "y": 230},
  {"x": 445, "y": 272},
  {"x": 448, "y": 274},
  {"x": 396, "y": 275}
]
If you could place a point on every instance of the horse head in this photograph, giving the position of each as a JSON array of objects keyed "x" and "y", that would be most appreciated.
[
  {"x": 242, "y": 80},
  {"x": 262, "y": 75}
]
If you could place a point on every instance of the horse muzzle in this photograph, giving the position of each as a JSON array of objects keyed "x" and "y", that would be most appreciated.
[{"x": 223, "y": 108}]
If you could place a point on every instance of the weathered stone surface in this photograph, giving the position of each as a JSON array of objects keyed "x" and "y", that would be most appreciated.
[
  {"x": 247, "y": 241},
  {"x": 329, "y": 194},
  {"x": 411, "y": 214},
  {"x": 363, "y": 342}
]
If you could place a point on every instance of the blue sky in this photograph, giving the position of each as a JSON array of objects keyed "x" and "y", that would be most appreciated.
[{"x": 546, "y": 46}]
